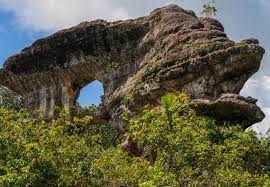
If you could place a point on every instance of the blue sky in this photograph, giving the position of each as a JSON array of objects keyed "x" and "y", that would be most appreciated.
[
  {"x": 24, "y": 21},
  {"x": 12, "y": 39}
]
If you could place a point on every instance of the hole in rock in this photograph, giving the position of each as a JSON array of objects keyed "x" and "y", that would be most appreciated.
[{"x": 91, "y": 94}]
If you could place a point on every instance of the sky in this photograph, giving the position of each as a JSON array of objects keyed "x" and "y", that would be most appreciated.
[{"x": 24, "y": 21}]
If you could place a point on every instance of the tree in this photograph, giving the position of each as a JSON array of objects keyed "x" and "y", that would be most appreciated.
[
  {"x": 10, "y": 99},
  {"x": 179, "y": 148},
  {"x": 176, "y": 148},
  {"x": 56, "y": 153},
  {"x": 209, "y": 9}
]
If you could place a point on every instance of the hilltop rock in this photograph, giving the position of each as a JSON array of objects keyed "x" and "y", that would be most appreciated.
[{"x": 138, "y": 61}]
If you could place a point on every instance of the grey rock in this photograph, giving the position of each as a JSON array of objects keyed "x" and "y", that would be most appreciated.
[
  {"x": 138, "y": 61},
  {"x": 231, "y": 108}
]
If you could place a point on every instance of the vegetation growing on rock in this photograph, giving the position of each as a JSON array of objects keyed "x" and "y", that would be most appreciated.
[
  {"x": 9, "y": 99},
  {"x": 209, "y": 9}
]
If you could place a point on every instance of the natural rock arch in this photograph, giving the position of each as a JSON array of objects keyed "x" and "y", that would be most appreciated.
[
  {"x": 91, "y": 94},
  {"x": 170, "y": 50}
]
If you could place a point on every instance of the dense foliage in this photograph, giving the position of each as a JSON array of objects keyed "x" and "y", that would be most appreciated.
[
  {"x": 177, "y": 148},
  {"x": 9, "y": 99},
  {"x": 62, "y": 153},
  {"x": 180, "y": 148}
]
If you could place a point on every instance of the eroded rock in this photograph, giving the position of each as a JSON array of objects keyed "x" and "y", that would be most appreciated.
[
  {"x": 138, "y": 61},
  {"x": 230, "y": 107}
]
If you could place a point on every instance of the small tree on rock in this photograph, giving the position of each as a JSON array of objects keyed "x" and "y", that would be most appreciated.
[{"x": 209, "y": 9}]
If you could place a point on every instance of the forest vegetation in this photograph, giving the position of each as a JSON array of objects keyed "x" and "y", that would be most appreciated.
[{"x": 175, "y": 148}]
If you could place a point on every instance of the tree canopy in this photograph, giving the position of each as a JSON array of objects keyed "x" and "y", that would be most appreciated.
[{"x": 176, "y": 148}]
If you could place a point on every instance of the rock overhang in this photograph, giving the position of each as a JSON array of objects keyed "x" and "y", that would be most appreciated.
[{"x": 170, "y": 50}]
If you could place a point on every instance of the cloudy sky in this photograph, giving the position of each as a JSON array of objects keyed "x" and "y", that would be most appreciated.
[{"x": 24, "y": 21}]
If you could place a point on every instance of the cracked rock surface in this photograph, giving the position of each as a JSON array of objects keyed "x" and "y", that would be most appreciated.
[
  {"x": 138, "y": 61},
  {"x": 230, "y": 107}
]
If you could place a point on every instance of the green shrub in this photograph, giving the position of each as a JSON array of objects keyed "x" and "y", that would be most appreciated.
[
  {"x": 209, "y": 9},
  {"x": 35, "y": 153},
  {"x": 177, "y": 148},
  {"x": 10, "y": 99}
]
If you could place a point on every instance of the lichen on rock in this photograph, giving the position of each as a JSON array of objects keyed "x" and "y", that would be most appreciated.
[{"x": 138, "y": 61}]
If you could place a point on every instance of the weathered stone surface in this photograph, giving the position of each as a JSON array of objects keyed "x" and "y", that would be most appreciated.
[
  {"x": 130, "y": 146},
  {"x": 170, "y": 50},
  {"x": 230, "y": 107}
]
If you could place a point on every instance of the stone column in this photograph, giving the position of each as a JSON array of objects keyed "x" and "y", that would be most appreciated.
[{"x": 46, "y": 98}]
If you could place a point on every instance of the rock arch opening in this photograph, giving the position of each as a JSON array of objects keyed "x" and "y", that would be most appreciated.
[{"x": 91, "y": 94}]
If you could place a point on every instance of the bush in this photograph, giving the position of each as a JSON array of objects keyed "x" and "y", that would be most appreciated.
[
  {"x": 35, "y": 153},
  {"x": 10, "y": 99},
  {"x": 177, "y": 148},
  {"x": 209, "y": 9}
]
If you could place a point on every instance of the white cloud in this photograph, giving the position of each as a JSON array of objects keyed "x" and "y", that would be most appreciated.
[
  {"x": 259, "y": 87},
  {"x": 263, "y": 127},
  {"x": 265, "y": 83},
  {"x": 253, "y": 85},
  {"x": 51, "y": 15}
]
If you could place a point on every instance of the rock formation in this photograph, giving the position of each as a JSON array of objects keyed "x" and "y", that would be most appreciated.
[{"x": 170, "y": 50}]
